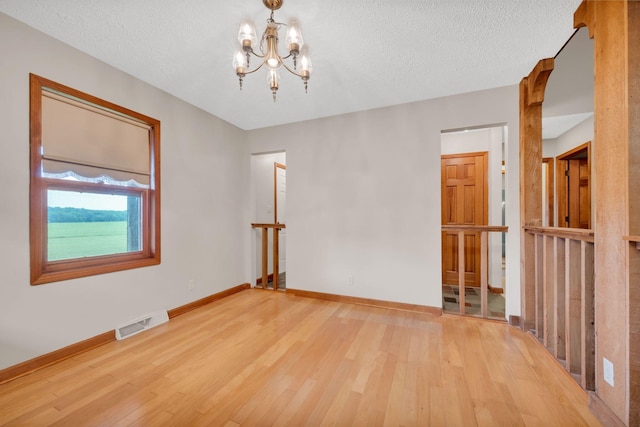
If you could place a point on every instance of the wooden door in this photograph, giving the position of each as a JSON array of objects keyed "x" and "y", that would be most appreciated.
[
  {"x": 574, "y": 188},
  {"x": 464, "y": 202}
]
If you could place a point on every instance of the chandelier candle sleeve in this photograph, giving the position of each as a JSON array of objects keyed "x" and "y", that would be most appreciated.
[
  {"x": 247, "y": 36},
  {"x": 295, "y": 41},
  {"x": 269, "y": 54}
]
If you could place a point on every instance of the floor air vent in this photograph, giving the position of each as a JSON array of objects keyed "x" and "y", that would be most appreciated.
[{"x": 140, "y": 324}]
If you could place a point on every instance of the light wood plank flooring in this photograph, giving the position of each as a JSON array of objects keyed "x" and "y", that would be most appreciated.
[{"x": 260, "y": 358}]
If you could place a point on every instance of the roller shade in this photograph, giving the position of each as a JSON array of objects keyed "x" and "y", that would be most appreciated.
[{"x": 90, "y": 141}]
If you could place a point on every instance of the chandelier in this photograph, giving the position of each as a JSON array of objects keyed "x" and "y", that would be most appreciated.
[{"x": 269, "y": 55}]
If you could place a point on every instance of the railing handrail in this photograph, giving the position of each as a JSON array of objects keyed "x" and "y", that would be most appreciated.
[
  {"x": 491, "y": 228},
  {"x": 259, "y": 225},
  {"x": 584, "y": 234}
]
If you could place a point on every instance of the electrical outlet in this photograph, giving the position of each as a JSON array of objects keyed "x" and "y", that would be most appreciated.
[
  {"x": 608, "y": 371},
  {"x": 192, "y": 284},
  {"x": 350, "y": 280}
]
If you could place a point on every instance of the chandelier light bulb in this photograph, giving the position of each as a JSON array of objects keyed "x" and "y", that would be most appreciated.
[
  {"x": 272, "y": 59},
  {"x": 273, "y": 62}
]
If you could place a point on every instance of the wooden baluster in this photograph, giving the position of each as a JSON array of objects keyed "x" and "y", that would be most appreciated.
[
  {"x": 588, "y": 345},
  {"x": 461, "y": 284},
  {"x": 548, "y": 269},
  {"x": 573, "y": 330},
  {"x": 559, "y": 296},
  {"x": 265, "y": 257},
  {"x": 484, "y": 288},
  {"x": 539, "y": 285},
  {"x": 276, "y": 258}
]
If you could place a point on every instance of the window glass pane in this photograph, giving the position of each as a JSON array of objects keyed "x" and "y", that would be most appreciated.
[{"x": 83, "y": 224}]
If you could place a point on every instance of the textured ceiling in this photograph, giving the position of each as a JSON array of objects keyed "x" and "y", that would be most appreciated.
[{"x": 365, "y": 54}]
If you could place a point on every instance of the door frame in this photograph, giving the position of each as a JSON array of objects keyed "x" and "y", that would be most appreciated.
[
  {"x": 276, "y": 165},
  {"x": 562, "y": 162}
]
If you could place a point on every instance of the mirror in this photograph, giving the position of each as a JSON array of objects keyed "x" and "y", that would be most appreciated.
[{"x": 567, "y": 133}]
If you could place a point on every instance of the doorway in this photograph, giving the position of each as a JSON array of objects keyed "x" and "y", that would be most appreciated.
[
  {"x": 268, "y": 183},
  {"x": 574, "y": 187},
  {"x": 473, "y": 195}
]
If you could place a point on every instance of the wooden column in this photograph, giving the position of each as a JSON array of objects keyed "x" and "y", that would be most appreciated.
[
  {"x": 531, "y": 97},
  {"x": 611, "y": 28},
  {"x": 615, "y": 26},
  {"x": 633, "y": 254}
]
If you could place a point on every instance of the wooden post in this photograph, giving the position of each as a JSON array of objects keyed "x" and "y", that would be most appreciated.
[
  {"x": 461, "y": 284},
  {"x": 531, "y": 97},
  {"x": 276, "y": 258},
  {"x": 615, "y": 28},
  {"x": 265, "y": 257}
]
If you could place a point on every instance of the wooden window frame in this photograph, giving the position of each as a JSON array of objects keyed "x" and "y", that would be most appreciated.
[{"x": 45, "y": 271}]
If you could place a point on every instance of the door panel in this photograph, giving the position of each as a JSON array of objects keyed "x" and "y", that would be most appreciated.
[
  {"x": 464, "y": 202},
  {"x": 584, "y": 191}
]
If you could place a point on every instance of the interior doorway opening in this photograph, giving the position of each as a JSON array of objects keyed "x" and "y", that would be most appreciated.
[
  {"x": 574, "y": 187},
  {"x": 268, "y": 172},
  {"x": 473, "y": 221}
]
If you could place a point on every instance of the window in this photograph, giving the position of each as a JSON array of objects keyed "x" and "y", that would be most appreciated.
[{"x": 95, "y": 185}]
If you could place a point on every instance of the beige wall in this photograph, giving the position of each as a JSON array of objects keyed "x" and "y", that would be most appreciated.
[
  {"x": 205, "y": 177},
  {"x": 363, "y": 196}
]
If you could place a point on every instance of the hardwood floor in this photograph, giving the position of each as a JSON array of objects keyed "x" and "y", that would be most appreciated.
[{"x": 267, "y": 358}]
